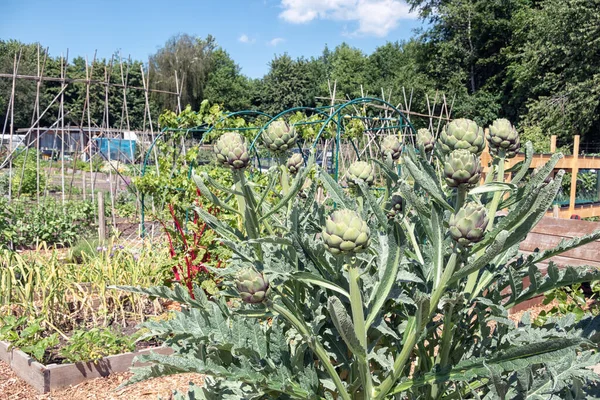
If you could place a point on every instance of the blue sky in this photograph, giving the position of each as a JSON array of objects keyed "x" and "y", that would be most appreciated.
[{"x": 252, "y": 31}]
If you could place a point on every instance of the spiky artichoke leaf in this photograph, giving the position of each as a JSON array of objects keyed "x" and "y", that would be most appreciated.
[
  {"x": 335, "y": 191},
  {"x": 524, "y": 167},
  {"x": 423, "y": 174}
]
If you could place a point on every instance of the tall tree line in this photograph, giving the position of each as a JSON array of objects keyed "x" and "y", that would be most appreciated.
[{"x": 532, "y": 61}]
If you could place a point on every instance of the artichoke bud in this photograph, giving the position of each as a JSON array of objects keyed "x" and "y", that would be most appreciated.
[
  {"x": 468, "y": 225},
  {"x": 360, "y": 170},
  {"x": 279, "y": 136},
  {"x": 346, "y": 233},
  {"x": 294, "y": 163},
  {"x": 391, "y": 147},
  {"x": 502, "y": 135},
  {"x": 425, "y": 139},
  {"x": 462, "y": 169},
  {"x": 395, "y": 205},
  {"x": 463, "y": 134},
  {"x": 252, "y": 285},
  {"x": 231, "y": 150}
]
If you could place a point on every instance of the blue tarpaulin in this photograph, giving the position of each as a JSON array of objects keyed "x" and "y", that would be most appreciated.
[{"x": 120, "y": 149}]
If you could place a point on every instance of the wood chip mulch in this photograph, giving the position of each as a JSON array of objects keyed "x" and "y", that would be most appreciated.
[{"x": 13, "y": 388}]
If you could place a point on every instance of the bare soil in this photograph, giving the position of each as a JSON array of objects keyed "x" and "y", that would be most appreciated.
[{"x": 13, "y": 388}]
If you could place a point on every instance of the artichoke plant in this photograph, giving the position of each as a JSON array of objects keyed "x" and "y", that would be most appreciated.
[
  {"x": 345, "y": 232},
  {"x": 252, "y": 286},
  {"x": 231, "y": 150},
  {"x": 468, "y": 225},
  {"x": 360, "y": 170},
  {"x": 279, "y": 136},
  {"x": 464, "y": 134},
  {"x": 425, "y": 139},
  {"x": 391, "y": 147},
  {"x": 502, "y": 136},
  {"x": 393, "y": 315},
  {"x": 462, "y": 168},
  {"x": 294, "y": 163}
]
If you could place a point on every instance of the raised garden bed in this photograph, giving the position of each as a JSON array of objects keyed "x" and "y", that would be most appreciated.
[{"x": 46, "y": 378}]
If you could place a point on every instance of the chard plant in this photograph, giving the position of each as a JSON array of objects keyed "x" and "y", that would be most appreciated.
[{"x": 370, "y": 294}]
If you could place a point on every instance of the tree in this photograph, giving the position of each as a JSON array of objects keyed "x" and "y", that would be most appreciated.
[
  {"x": 226, "y": 85},
  {"x": 191, "y": 58},
  {"x": 554, "y": 73},
  {"x": 286, "y": 85},
  {"x": 348, "y": 68}
]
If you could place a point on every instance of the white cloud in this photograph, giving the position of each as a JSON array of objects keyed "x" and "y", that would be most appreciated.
[
  {"x": 275, "y": 41},
  {"x": 245, "y": 39},
  {"x": 373, "y": 17}
]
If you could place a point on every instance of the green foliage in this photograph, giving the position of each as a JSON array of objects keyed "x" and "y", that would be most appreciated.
[
  {"x": 27, "y": 223},
  {"x": 28, "y": 336},
  {"x": 92, "y": 344},
  {"x": 409, "y": 317}
]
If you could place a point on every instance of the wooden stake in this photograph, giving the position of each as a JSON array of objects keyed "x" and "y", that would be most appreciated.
[
  {"x": 553, "y": 144},
  {"x": 101, "y": 218},
  {"x": 574, "y": 171}
]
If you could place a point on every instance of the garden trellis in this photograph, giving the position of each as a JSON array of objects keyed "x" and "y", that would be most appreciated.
[{"x": 336, "y": 147}]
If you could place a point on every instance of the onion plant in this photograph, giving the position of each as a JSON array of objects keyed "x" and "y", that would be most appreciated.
[{"x": 401, "y": 293}]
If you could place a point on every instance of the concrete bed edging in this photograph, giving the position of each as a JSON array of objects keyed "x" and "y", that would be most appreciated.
[{"x": 46, "y": 378}]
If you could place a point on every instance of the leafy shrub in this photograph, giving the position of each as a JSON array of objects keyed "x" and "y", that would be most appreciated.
[
  {"x": 25, "y": 224},
  {"x": 93, "y": 344},
  {"x": 363, "y": 303},
  {"x": 28, "y": 336}
]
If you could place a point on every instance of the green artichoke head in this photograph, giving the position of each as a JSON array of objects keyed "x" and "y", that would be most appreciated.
[
  {"x": 279, "y": 136},
  {"x": 294, "y": 163},
  {"x": 252, "y": 286},
  {"x": 231, "y": 150},
  {"x": 425, "y": 139},
  {"x": 395, "y": 205},
  {"x": 346, "y": 233},
  {"x": 502, "y": 135},
  {"x": 468, "y": 225},
  {"x": 391, "y": 147},
  {"x": 360, "y": 170},
  {"x": 462, "y": 169},
  {"x": 464, "y": 134}
]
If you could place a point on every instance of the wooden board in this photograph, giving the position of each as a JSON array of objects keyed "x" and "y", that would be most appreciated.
[{"x": 46, "y": 378}]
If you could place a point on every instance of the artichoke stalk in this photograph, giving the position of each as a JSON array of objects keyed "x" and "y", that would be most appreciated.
[
  {"x": 346, "y": 233},
  {"x": 463, "y": 134}
]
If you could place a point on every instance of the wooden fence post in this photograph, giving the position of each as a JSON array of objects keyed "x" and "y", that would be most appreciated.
[
  {"x": 555, "y": 211},
  {"x": 574, "y": 170},
  {"x": 101, "y": 218},
  {"x": 553, "y": 144}
]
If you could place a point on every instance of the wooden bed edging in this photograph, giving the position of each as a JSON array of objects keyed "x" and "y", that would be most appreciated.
[{"x": 46, "y": 378}]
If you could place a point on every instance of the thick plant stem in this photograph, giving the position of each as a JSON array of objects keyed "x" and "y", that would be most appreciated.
[
  {"x": 461, "y": 196},
  {"x": 411, "y": 235},
  {"x": 315, "y": 346},
  {"x": 285, "y": 181},
  {"x": 439, "y": 291},
  {"x": 241, "y": 202},
  {"x": 472, "y": 279},
  {"x": 411, "y": 334},
  {"x": 358, "y": 318},
  {"x": 447, "y": 334},
  {"x": 498, "y": 195}
]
